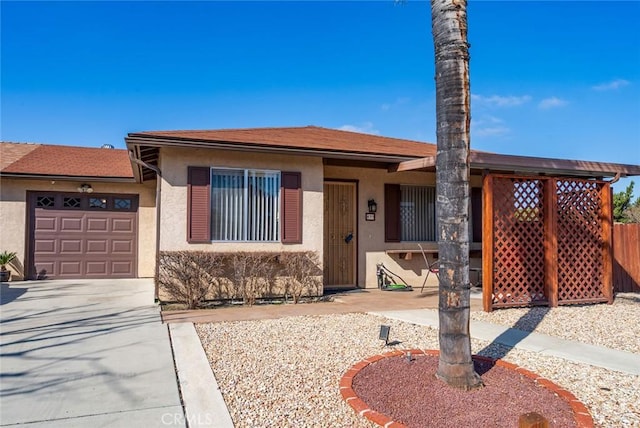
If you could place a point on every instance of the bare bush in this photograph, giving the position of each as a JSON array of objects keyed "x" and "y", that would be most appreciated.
[
  {"x": 302, "y": 274},
  {"x": 254, "y": 275},
  {"x": 188, "y": 276}
]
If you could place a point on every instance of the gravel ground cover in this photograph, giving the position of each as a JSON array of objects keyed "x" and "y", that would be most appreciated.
[
  {"x": 601, "y": 325},
  {"x": 285, "y": 372}
]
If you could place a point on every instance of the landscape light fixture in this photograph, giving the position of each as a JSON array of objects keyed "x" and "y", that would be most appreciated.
[
  {"x": 373, "y": 206},
  {"x": 85, "y": 188},
  {"x": 384, "y": 334}
]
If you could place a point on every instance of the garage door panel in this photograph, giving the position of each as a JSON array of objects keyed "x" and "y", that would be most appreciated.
[
  {"x": 70, "y": 224},
  {"x": 121, "y": 247},
  {"x": 122, "y": 267},
  {"x": 70, "y": 242},
  {"x": 97, "y": 224},
  {"x": 99, "y": 246},
  {"x": 123, "y": 225},
  {"x": 70, "y": 268},
  {"x": 45, "y": 224},
  {"x": 97, "y": 267},
  {"x": 45, "y": 269},
  {"x": 45, "y": 246},
  {"x": 70, "y": 246}
]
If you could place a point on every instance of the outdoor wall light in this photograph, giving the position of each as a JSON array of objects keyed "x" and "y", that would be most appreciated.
[
  {"x": 85, "y": 188},
  {"x": 373, "y": 206}
]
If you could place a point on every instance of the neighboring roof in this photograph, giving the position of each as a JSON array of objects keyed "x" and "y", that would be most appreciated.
[
  {"x": 11, "y": 152},
  {"x": 43, "y": 160}
]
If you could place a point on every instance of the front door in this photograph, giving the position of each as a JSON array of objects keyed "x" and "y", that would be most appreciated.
[{"x": 340, "y": 235}]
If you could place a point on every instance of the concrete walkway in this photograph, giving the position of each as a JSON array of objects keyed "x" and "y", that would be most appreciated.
[
  {"x": 598, "y": 356},
  {"x": 82, "y": 353}
]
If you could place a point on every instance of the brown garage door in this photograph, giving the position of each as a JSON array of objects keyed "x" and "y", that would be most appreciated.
[{"x": 76, "y": 235}]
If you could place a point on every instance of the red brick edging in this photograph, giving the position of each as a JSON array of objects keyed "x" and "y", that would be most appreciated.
[{"x": 581, "y": 413}]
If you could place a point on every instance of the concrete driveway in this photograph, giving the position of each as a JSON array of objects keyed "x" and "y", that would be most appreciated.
[{"x": 81, "y": 353}]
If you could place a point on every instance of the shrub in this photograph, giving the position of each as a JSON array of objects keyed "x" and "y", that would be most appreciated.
[
  {"x": 302, "y": 273},
  {"x": 254, "y": 275},
  {"x": 188, "y": 276}
]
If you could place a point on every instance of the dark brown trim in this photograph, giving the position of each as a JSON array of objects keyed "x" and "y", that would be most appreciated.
[
  {"x": 607, "y": 241},
  {"x": 67, "y": 177},
  {"x": 198, "y": 204},
  {"x": 476, "y": 214},
  {"x": 536, "y": 165},
  {"x": 487, "y": 242},
  {"x": 291, "y": 207},
  {"x": 392, "y": 228},
  {"x": 550, "y": 242},
  {"x": 354, "y": 163}
]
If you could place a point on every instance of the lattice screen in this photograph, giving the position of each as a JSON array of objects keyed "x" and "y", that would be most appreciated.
[
  {"x": 580, "y": 240},
  {"x": 575, "y": 227},
  {"x": 518, "y": 255}
]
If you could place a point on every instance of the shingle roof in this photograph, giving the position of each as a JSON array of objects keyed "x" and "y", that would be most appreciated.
[
  {"x": 308, "y": 138},
  {"x": 52, "y": 160},
  {"x": 11, "y": 152}
]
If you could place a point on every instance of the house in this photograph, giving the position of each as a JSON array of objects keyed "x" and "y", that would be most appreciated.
[
  {"x": 75, "y": 212},
  {"x": 355, "y": 199}
]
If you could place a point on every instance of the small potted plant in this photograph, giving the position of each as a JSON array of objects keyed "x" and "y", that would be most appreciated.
[{"x": 5, "y": 258}]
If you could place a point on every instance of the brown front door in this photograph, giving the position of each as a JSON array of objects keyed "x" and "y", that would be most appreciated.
[
  {"x": 76, "y": 235},
  {"x": 340, "y": 235}
]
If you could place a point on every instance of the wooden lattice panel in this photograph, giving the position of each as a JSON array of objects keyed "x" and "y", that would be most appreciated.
[
  {"x": 580, "y": 241},
  {"x": 518, "y": 245}
]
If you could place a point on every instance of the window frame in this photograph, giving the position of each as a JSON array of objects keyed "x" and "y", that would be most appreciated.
[{"x": 276, "y": 222}]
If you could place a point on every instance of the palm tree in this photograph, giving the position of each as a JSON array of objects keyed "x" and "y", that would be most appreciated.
[{"x": 449, "y": 26}]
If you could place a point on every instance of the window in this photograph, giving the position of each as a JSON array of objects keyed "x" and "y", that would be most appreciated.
[
  {"x": 409, "y": 213},
  {"x": 71, "y": 202},
  {"x": 417, "y": 213},
  {"x": 245, "y": 205},
  {"x": 99, "y": 203},
  {"x": 122, "y": 204},
  {"x": 45, "y": 201},
  {"x": 238, "y": 204}
]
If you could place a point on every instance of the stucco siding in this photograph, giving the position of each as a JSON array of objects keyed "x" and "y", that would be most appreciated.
[
  {"x": 174, "y": 163},
  {"x": 371, "y": 243},
  {"x": 371, "y": 234},
  {"x": 13, "y": 217}
]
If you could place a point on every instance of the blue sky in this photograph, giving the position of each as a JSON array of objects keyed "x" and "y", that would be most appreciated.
[{"x": 552, "y": 79}]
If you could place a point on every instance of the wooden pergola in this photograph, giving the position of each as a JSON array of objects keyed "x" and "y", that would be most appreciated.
[{"x": 547, "y": 228}]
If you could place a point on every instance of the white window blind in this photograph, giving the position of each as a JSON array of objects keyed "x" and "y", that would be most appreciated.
[
  {"x": 417, "y": 213},
  {"x": 245, "y": 205}
]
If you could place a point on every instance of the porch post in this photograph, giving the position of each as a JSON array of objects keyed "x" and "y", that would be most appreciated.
[
  {"x": 551, "y": 242},
  {"x": 487, "y": 242},
  {"x": 607, "y": 242}
]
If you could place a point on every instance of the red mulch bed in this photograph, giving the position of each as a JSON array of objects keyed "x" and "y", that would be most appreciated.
[{"x": 409, "y": 393}]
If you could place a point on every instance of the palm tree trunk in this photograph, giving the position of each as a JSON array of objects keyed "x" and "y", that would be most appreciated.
[{"x": 449, "y": 26}]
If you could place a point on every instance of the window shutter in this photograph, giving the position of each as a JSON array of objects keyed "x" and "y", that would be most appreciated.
[
  {"x": 392, "y": 213},
  {"x": 199, "y": 205},
  {"x": 476, "y": 214},
  {"x": 291, "y": 212}
]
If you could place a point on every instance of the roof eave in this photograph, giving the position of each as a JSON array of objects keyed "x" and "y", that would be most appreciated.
[
  {"x": 36, "y": 176},
  {"x": 136, "y": 140},
  {"x": 528, "y": 165}
]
